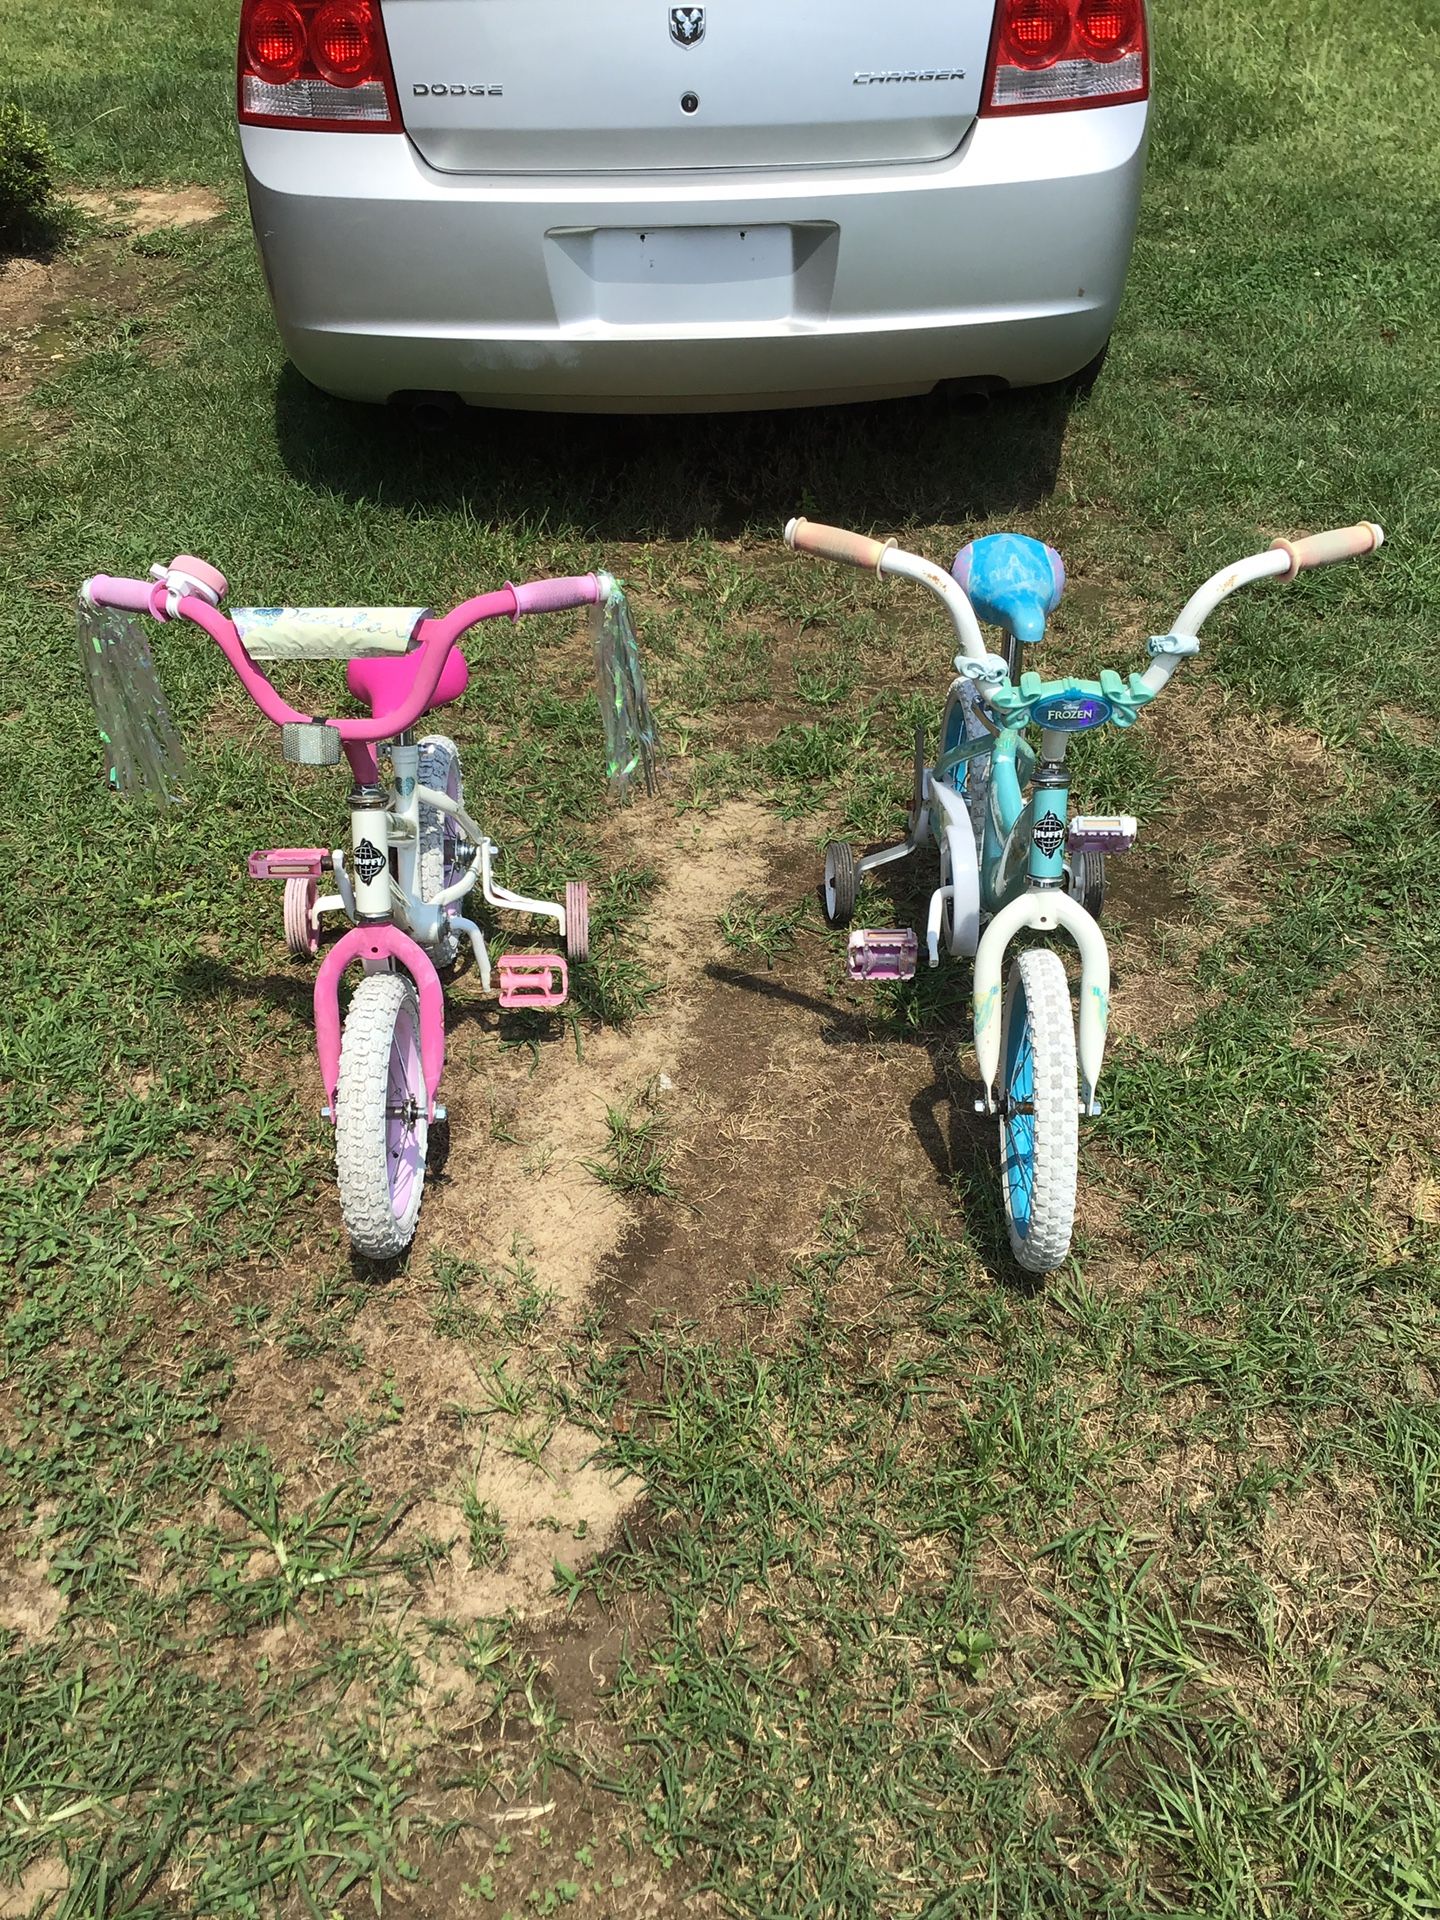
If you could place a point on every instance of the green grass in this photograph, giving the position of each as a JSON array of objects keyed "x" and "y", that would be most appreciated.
[
  {"x": 636, "y": 1156},
  {"x": 949, "y": 1597}
]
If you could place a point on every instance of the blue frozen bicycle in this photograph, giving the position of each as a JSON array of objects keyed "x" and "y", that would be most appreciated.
[{"x": 997, "y": 810}]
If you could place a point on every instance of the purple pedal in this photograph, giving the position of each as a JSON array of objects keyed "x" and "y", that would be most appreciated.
[
  {"x": 1103, "y": 832},
  {"x": 882, "y": 953}
]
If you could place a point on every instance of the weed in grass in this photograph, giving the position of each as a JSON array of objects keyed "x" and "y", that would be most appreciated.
[
  {"x": 831, "y": 685},
  {"x": 748, "y": 927},
  {"x": 485, "y": 1528},
  {"x": 637, "y": 1157},
  {"x": 326, "y": 1549},
  {"x": 803, "y": 759}
]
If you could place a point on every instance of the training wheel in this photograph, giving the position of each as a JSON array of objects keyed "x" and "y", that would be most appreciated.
[
  {"x": 302, "y": 936},
  {"x": 577, "y": 920},
  {"x": 839, "y": 883}
]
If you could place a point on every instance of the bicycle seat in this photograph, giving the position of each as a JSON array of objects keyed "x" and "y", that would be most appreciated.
[
  {"x": 383, "y": 684},
  {"x": 1013, "y": 582}
]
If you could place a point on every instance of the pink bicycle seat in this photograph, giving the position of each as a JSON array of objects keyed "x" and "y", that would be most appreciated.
[{"x": 384, "y": 684}]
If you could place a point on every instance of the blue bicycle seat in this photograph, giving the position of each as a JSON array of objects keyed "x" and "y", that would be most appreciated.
[{"x": 1013, "y": 582}]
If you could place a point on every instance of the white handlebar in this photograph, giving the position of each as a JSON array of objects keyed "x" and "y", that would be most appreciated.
[
  {"x": 947, "y": 590},
  {"x": 1284, "y": 559}
]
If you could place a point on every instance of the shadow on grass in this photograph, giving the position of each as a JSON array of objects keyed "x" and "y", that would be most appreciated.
[
  {"x": 39, "y": 237},
  {"x": 668, "y": 476}
]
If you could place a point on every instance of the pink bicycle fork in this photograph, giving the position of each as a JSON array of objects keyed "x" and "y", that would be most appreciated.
[{"x": 379, "y": 943}]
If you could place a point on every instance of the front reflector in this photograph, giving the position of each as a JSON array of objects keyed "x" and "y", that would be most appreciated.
[
  {"x": 314, "y": 100},
  {"x": 1067, "y": 80}
]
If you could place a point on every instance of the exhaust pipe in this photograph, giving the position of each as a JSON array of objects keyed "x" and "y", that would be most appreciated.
[{"x": 431, "y": 412}]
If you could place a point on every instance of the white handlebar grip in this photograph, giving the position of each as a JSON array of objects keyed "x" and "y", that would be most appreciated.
[
  {"x": 1321, "y": 549},
  {"x": 834, "y": 543}
]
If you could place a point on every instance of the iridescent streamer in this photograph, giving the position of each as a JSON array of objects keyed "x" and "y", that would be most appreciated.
[
  {"x": 631, "y": 747},
  {"x": 146, "y": 754}
]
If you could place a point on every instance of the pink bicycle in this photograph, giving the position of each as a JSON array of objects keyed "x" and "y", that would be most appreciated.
[{"x": 415, "y": 852}]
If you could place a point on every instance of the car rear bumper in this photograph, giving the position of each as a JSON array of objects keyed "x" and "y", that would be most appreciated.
[{"x": 1005, "y": 262}]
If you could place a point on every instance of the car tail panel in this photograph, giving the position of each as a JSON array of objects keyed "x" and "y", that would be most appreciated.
[{"x": 595, "y": 86}]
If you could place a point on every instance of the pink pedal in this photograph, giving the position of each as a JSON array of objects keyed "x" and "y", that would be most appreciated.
[
  {"x": 289, "y": 863},
  {"x": 882, "y": 953},
  {"x": 533, "y": 980}
]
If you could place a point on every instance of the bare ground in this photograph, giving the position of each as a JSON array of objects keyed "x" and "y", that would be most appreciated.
[{"x": 41, "y": 299}]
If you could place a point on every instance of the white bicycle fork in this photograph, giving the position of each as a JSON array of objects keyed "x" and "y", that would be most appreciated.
[{"x": 1043, "y": 910}]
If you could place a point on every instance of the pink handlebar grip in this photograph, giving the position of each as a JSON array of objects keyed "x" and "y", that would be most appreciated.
[
  {"x": 108, "y": 590},
  {"x": 1321, "y": 549},
  {"x": 834, "y": 543},
  {"x": 554, "y": 596}
]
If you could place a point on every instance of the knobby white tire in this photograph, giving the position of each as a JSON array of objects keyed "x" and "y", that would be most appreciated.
[
  {"x": 439, "y": 769},
  {"x": 1039, "y": 1149},
  {"x": 381, "y": 1187}
]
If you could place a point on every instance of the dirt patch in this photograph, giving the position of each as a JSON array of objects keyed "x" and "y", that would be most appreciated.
[
  {"x": 29, "y": 1604},
  {"x": 538, "y": 1190},
  {"x": 41, "y": 301},
  {"x": 791, "y": 1093},
  {"x": 43, "y": 1881},
  {"x": 148, "y": 209}
]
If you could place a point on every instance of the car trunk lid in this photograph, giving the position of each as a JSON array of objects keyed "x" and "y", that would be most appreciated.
[{"x": 572, "y": 86}]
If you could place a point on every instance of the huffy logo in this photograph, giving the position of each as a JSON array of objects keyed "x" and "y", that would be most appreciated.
[
  {"x": 1049, "y": 834},
  {"x": 368, "y": 860},
  {"x": 687, "y": 26}
]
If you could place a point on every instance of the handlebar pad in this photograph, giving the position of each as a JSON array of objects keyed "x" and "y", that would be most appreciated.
[
  {"x": 834, "y": 543},
  {"x": 1320, "y": 549},
  {"x": 554, "y": 596},
  {"x": 109, "y": 590}
]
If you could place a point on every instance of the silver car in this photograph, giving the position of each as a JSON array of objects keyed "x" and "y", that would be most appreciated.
[{"x": 618, "y": 205}]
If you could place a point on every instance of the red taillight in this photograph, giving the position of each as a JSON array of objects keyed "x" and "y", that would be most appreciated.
[
  {"x": 342, "y": 42},
  {"x": 1036, "y": 31},
  {"x": 1066, "y": 53},
  {"x": 274, "y": 41},
  {"x": 1105, "y": 28},
  {"x": 318, "y": 64}
]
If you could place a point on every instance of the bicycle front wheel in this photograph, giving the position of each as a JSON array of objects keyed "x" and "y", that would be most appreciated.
[
  {"x": 381, "y": 1130},
  {"x": 1039, "y": 1111}
]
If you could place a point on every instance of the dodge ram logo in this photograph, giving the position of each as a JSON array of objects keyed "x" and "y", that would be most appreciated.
[{"x": 687, "y": 25}]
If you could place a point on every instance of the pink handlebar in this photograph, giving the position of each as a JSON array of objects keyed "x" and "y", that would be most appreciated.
[
  {"x": 107, "y": 590},
  {"x": 554, "y": 596},
  {"x": 436, "y": 638},
  {"x": 1322, "y": 549},
  {"x": 834, "y": 543}
]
